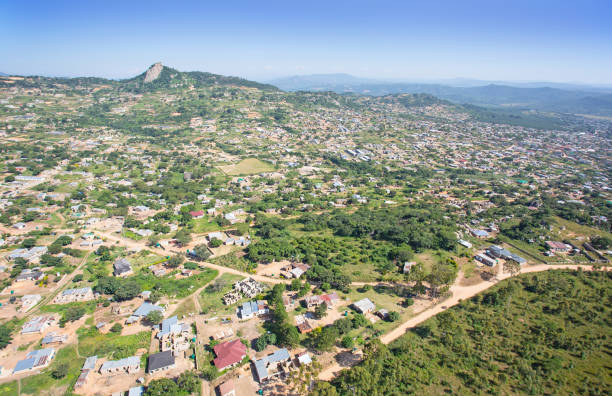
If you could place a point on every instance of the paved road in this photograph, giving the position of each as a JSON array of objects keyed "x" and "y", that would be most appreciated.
[{"x": 458, "y": 293}]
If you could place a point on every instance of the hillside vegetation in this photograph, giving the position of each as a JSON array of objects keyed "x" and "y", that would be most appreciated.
[{"x": 537, "y": 334}]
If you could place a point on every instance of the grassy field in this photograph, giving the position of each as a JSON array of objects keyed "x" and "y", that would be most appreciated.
[
  {"x": 92, "y": 342},
  {"x": 9, "y": 389},
  {"x": 210, "y": 298},
  {"x": 204, "y": 225},
  {"x": 248, "y": 166},
  {"x": 186, "y": 307}
]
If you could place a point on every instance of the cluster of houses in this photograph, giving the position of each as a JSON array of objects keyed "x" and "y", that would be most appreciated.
[
  {"x": 30, "y": 255},
  {"x": 493, "y": 252},
  {"x": 247, "y": 287}
]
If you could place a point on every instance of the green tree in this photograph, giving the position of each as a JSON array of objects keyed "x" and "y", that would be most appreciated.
[
  {"x": 321, "y": 311},
  {"x": 201, "y": 251},
  {"x": 174, "y": 261},
  {"x": 127, "y": 290},
  {"x": 154, "y": 317},
  {"x": 394, "y": 316},
  {"x": 347, "y": 342},
  {"x": 162, "y": 387},
  {"x": 60, "y": 370},
  {"x": 116, "y": 328},
  {"x": 188, "y": 381}
]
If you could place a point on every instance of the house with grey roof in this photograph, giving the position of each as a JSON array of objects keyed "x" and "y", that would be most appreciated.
[
  {"x": 364, "y": 306},
  {"x": 38, "y": 324},
  {"x": 88, "y": 366},
  {"x": 74, "y": 295},
  {"x": 251, "y": 309},
  {"x": 272, "y": 364},
  {"x": 122, "y": 267},
  {"x": 160, "y": 361},
  {"x": 130, "y": 365}
]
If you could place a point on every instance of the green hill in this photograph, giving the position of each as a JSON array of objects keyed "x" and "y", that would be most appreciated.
[{"x": 537, "y": 334}]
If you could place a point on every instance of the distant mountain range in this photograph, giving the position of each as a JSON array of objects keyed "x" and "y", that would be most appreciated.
[
  {"x": 3, "y": 74},
  {"x": 553, "y": 97}
]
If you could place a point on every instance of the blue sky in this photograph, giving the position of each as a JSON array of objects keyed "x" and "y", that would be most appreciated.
[{"x": 537, "y": 40}]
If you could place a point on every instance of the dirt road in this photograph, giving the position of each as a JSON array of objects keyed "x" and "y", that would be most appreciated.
[
  {"x": 458, "y": 293},
  {"x": 222, "y": 270}
]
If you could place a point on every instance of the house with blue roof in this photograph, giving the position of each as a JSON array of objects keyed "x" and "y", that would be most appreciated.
[
  {"x": 142, "y": 311},
  {"x": 34, "y": 360},
  {"x": 171, "y": 327},
  {"x": 251, "y": 309}
]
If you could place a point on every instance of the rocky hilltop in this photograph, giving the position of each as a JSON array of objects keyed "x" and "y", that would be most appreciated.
[{"x": 153, "y": 72}]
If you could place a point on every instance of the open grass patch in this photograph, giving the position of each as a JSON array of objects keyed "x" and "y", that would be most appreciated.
[
  {"x": 178, "y": 288},
  {"x": 110, "y": 345},
  {"x": 248, "y": 166},
  {"x": 211, "y": 296}
]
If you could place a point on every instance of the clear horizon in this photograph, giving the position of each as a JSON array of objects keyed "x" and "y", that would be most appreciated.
[{"x": 521, "y": 42}]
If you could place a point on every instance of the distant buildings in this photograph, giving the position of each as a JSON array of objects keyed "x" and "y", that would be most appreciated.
[{"x": 28, "y": 254}]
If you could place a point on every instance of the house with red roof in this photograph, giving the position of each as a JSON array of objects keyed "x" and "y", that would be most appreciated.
[
  {"x": 197, "y": 214},
  {"x": 229, "y": 354}
]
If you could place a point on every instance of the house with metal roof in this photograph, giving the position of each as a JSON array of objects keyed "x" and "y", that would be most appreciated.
[
  {"x": 170, "y": 326},
  {"x": 73, "y": 295},
  {"x": 35, "y": 359},
  {"x": 160, "y": 361},
  {"x": 38, "y": 324},
  {"x": 130, "y": 365},
  {"x": 364, "y": 306},
  {"x": 227, "y": 388},
  {"x": 272, "y": 364},
  {"x": 136, "y": 391},
  {"x": 252, "y": 308},
  {"x": 54, "y": 338},
  {"x": 143, "y": 311},
  {"x": 88, "y": 366},
  {"x": 229, "y": 354},
  {"x": 122, "y": 267}
]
